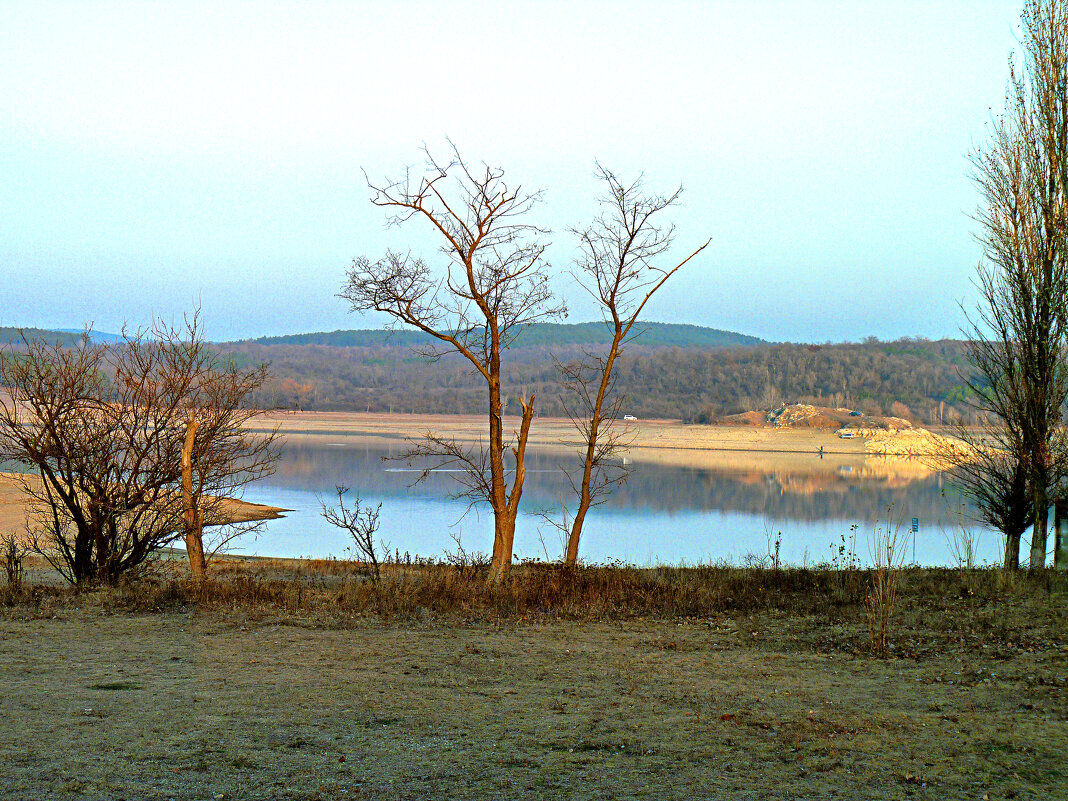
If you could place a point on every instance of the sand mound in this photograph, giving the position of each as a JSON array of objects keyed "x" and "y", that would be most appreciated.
[
  {"x": 802, "y": 415},
  {"x": 14, "y": 506},
  {"x": 918, "y": 442},
  {"x": 746, "y": 419}
]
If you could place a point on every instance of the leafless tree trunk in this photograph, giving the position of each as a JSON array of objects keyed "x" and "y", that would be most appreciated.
[
  {"x": 992, "y": 474},
  {"x": 220, "y": 454},
  {"x": 1020, "y": 337},
  {"x": 494, "y": 284},
  {"x": 193, "y": 518},
  {"x": 618, "y": 270}
]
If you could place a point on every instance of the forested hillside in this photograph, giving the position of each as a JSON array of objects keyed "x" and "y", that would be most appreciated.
[
  {"x": 688, "y": 379},
  {"x": 14, "y": 336},
  {"x": 908, "y": 378},
  {"x": 548, "y": 334}
]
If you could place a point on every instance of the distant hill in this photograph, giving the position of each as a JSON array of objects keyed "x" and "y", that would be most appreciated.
[
  {"x": 542, "y": 334},
  {"x": 14, "y": 336},
  {"x": 64, "y": 336},
  {"x": 96, "y": 337}
]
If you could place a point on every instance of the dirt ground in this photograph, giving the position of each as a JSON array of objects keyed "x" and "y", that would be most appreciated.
[{"x": 210, "y": 705}]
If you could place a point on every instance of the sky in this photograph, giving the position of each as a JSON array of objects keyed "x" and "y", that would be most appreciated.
[{"x": 155, "y": 157}]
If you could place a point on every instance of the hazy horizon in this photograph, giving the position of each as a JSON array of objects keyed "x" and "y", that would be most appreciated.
[
  {"x": 156, "y": 157},
  {"x": 855, "y": 340}
]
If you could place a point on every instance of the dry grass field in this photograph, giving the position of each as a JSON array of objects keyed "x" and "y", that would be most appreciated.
[{"x": 302, "y": 680}]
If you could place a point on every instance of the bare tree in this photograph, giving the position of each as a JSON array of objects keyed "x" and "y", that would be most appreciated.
[
  {"x": 619, "y": 268},
  {"x": 103, "y": 427},
  {"x": 1020, "y": 332},
  {"x": 494, "y": 282},
  {"x": 221, "y": 454},
  {"x": 103, "y": 500}
]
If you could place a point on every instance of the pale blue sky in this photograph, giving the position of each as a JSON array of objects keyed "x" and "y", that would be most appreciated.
[{"x": 157, "y": 155}]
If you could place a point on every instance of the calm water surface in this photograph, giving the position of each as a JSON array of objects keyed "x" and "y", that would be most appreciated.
[{"x": 662, "y": 514}]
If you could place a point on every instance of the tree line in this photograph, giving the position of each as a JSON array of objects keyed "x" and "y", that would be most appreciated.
[{"x": 926, "y": 381}]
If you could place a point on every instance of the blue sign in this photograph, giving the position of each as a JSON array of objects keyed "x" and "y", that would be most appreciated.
[{"x": 915, "y": 524}]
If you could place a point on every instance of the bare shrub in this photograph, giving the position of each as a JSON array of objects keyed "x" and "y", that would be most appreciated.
[
  {"x": 963, "y": 546},
  {"x": 361, "y": 522},
  {"x": 468, "y": 564},
  {"x": 12, "y": 554},
  {"x": 899, "y": 409},
  {"x": 888, "y": 556},
  {"x": 128, "y": 445}
]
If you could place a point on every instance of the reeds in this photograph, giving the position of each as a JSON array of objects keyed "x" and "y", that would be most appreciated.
[{"x": 888, "y": 557}]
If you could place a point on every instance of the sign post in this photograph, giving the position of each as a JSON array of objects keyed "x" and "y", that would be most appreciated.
[{"x": 1060, "y": 535}]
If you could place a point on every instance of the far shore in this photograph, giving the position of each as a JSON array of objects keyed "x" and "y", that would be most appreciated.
[
  {"x": 668, "y": 442},
  {"x": 655, "y": 433}
]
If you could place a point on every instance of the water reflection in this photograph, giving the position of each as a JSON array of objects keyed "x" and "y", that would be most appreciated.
[
  {"x": 663, "y": 514},
  {"x": 845, "y": 493}
]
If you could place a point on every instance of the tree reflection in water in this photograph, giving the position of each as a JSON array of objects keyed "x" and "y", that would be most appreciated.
[{"x": 661, "y": 513}]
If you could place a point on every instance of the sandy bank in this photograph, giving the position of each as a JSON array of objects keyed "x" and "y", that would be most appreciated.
[{"x": 13, "y": 506}]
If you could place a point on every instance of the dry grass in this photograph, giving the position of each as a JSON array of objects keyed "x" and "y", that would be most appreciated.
[
  {"x": 335, "y": 591},
  {"x": 286, "y": 679}
]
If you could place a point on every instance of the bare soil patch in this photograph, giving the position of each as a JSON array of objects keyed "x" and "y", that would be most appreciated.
[{"x": 803, "y": 415}]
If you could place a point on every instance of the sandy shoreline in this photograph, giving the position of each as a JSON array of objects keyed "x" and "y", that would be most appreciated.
[{"x": 671, "y": 434}]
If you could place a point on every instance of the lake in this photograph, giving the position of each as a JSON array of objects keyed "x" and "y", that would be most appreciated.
[{"x": 664, "y": 514}]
